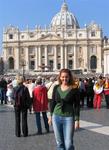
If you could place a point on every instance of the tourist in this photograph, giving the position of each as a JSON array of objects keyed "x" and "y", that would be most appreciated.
[
  {"x": 64, "y": 102},
  {"x": 90, "y": 93},
  {"x": 40, "y": 105},
  {"x": 22, "y": 104},
  {"x": 3, "y": 89},
  {"x": 98, "y": 93}
]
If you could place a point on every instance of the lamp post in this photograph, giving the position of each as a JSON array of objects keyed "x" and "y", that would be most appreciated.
[{"x": 23, "y": 64}]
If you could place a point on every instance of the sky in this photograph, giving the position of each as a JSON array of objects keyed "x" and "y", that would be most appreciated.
[{"x": 21, "y": 13}]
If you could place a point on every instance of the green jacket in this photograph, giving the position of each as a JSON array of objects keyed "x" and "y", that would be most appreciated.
[{"x": 70, "y": 104}]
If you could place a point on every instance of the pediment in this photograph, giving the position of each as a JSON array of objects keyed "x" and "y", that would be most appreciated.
[
  {"x": 93, "y": 26},
  {"x": 50, "y": 37},
  {"x": 11, "y": 29}
]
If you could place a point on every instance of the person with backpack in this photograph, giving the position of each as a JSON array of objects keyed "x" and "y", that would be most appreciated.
[{"x": 21, "y": 106}]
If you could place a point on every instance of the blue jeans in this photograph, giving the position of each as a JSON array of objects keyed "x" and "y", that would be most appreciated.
[
  {"x": 38, "y": 121},
  {"x": 64, "y": 131}
]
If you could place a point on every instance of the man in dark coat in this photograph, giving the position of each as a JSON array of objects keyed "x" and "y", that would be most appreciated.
[
  {"x": 22, "y": 104},
  {"x": 3, "y": 89}
]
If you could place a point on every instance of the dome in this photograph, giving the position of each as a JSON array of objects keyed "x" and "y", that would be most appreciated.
[{"x": 64, "y": 19}]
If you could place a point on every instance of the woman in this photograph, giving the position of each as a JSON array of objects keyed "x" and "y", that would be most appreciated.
[
  {"x": 64, "y": 101},
  {"x": 98, "y": 90}
]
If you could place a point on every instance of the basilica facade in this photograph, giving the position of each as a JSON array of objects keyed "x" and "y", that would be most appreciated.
[
  {"x": 106, "y": 56},
  {"x": 64, "y": 44}
]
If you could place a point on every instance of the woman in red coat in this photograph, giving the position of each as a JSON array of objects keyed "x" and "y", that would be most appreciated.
[{"x": 40, "y": 104}]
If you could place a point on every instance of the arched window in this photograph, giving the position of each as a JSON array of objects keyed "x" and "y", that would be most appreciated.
[
  {"x": 11, "y": 63},
  {"x": 93, "y": 62}
]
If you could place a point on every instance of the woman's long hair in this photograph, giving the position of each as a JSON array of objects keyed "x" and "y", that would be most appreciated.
[{"x": 70, "y": 76}]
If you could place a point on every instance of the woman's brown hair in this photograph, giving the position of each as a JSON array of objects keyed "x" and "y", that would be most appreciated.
[{"x": 69, "y": 73}]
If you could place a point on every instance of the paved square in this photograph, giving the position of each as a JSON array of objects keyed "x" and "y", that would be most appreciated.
[{"x": 93, "y": 134}]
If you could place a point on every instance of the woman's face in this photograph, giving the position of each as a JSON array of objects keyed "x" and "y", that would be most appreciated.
[{"x": 64, "y": 77}]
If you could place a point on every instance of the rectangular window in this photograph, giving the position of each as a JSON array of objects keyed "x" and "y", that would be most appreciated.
[
  {"x": 32, "y": 65},
  {"x": 31, "y": 34},
  {"x": 51, "y": 64},
  {"x": 59, "y": 66},
  {"x": 70, "y": 64},
  {"x": 93, "y": 34},
  {"x": 22, "y": 36},
  {"x": 10, "y": 36}
]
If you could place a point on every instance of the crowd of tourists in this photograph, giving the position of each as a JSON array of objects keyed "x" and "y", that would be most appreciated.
[
  {"x": 59, "y": 99},
  {"x": 89, "y": 88}
]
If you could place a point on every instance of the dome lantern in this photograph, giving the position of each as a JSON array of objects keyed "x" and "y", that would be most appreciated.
[{"x": 64, "y": 7}]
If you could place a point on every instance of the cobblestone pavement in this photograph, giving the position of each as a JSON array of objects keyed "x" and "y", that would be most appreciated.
[{"x": 93, "y": 134}]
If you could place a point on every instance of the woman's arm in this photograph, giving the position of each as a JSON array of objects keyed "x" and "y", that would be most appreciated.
[
  {"x": 52, "y": 103},
  {"x": 77, "y": 110}
]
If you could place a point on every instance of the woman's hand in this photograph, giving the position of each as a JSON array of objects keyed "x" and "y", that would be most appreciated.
[
  {"x": 77, "y": 125},
  {"x": 50, "y": 120}
]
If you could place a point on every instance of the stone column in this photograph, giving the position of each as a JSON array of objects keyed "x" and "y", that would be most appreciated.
[
  {"x": 39, "y": 56},
  {"x": 62, "y": 57},
  {"x": 66, "y": 57},
  {"x": 5, "y": 50},
  {"x": 75, "y": 58},
  {"x": 17, "y": 62},
  {"x": 36, "y": 58},
  {"x": 27, "y": 58},
  {"x": 85, "y": 57},
  {"x": 46, "y": 56},
  {"x": 99, "y": 55},
  {"x": 106, "y": 62},
  {"x": 5, "y": 59},
  {"x": 55, "y": 58}
]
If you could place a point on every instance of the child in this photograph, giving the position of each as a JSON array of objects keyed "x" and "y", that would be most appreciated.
[{"x": 9, "y": 93}]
